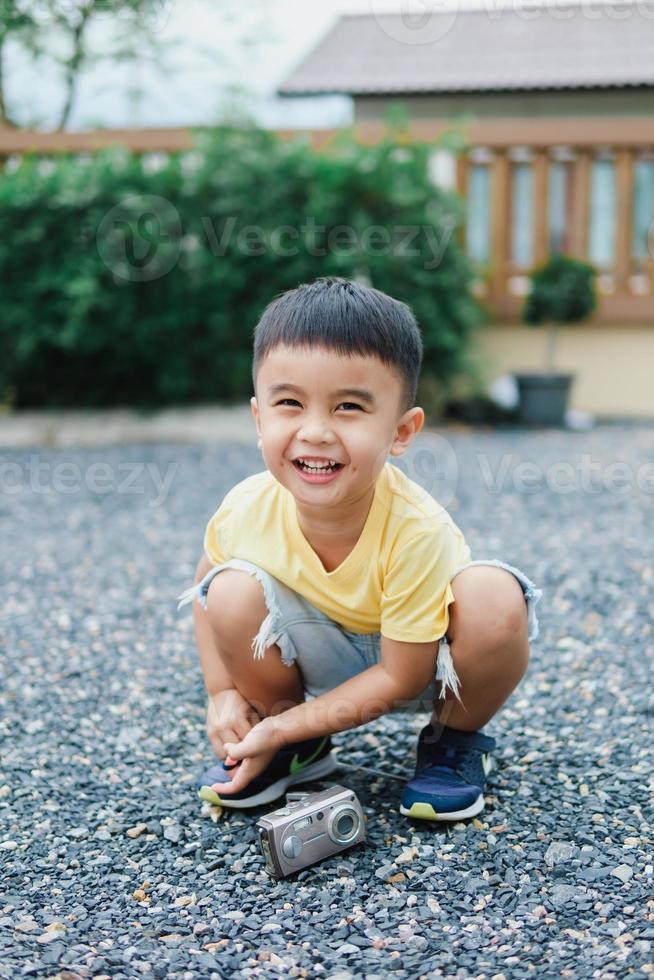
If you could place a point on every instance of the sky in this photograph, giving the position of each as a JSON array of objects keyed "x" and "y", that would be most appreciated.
[{"x": 205, "y": 52}]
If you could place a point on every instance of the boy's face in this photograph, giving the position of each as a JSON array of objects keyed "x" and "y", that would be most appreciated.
[{"x": 302, "y": 410}]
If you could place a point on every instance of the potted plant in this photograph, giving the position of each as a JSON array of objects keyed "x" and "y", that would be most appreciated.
[{"x": 562, "y": 291}]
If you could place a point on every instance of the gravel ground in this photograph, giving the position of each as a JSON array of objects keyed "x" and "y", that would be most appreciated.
[{"x": 110, "y": 867}]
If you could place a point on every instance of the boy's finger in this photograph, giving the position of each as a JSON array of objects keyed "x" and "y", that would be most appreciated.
[
  {"x": 238, "y": 782},
  {"x": 242, "y": 730}
]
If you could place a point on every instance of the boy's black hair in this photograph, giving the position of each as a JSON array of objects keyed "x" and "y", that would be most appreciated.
[{"x": 348, "y": 318}]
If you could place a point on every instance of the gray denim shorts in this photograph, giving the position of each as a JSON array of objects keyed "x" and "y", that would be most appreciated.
[{"x": 325, "y": 652}]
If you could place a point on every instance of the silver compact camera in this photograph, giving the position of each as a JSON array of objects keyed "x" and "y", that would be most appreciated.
[{"x": 309, "y": 829}]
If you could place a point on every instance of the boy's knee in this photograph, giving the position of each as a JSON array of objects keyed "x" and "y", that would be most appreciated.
[
  {"x": 492, "y": 599},
  {"x": 510, "y": 608},
  {"x": 236, "y": 606}
]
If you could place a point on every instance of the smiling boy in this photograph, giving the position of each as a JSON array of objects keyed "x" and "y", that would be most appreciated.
[{"x": 334, "y": 589}]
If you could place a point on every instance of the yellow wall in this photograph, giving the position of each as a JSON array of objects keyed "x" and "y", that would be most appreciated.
[{"x": 614, "y": 366}]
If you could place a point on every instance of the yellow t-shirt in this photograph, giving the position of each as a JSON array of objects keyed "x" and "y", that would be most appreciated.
[{"x": 395, "y": 581}]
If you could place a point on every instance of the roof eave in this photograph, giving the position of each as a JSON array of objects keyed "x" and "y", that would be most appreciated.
[{"x": 384, "y": 93}]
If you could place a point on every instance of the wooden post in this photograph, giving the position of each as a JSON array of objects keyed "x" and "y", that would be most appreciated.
[
  {"x": 580, "y": 205},
  {"x": 624, "y": 175},
  {"x": 462, "y": 190},
  {"x": 499, "y": 225},
  {"x": 462, "y": 173},
  {"x": 541, "y": 206}
]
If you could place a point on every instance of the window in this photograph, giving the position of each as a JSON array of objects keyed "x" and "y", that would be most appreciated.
[
  {"x": 601, "y": 242},
  {"x": 442, "y": 169},
  {"x": 643, "y": 216},
  {"x": 559, "y": 207},
  {"x": 478, "y": 214},
  {"x": 522, "y": 214}
]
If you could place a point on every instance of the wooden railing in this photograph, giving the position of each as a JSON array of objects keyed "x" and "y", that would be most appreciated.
[
  {"x": 618, "y": 300},
  {"x": 584, "y": 137}
]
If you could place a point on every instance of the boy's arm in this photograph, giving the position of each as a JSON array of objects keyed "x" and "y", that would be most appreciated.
[{"x": 404, "y": 672}]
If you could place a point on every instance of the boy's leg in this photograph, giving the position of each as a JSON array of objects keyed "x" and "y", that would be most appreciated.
[
  {"x": 236, "y": 613},
  {"x": 236, "y": 610},
  {"x": 487, "y": 632},
  {"x": 488, "y": 641}
]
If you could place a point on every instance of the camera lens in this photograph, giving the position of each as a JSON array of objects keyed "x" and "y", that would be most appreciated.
[{"x": 344, "y": 825}]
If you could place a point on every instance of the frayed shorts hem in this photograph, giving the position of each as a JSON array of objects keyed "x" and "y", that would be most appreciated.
[{"x": 325, "y": 652}]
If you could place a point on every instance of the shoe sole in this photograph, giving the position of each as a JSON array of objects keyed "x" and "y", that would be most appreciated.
[
  {"x": 323, "y": 767},
  {"x": 425, "y": 811}
]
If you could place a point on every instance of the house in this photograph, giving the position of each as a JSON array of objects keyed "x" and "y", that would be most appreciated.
[{"x": 557, "y": 106}]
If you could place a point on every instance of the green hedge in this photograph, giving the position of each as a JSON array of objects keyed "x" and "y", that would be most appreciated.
[{"x": 124, "y": 284}]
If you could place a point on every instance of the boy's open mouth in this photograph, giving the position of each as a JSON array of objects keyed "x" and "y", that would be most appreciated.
[{"x": 307, "y": 465}]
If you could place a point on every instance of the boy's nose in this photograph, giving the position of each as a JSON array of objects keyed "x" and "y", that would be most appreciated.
[{"x": 316, "y": 432}]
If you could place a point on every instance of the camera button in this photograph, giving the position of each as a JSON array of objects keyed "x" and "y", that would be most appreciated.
[
  {"x": 292, "y": 846},
  {"x": 284, "y": 812}
]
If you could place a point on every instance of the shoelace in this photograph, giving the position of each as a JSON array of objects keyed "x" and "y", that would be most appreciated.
[
  {"x": 430, "y": 769},
  {"x": 446, "y": 758}
]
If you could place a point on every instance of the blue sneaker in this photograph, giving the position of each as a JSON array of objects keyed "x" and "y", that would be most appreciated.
[
  {"x": 298, "y": 762},
  {"x": 450, "y": 777}
]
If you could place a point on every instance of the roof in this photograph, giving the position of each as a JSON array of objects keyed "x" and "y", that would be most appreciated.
[{"x": 535, "y": 47}]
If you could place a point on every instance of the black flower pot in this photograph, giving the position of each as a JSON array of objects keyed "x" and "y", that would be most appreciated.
[{"x": 543, "y": 398}]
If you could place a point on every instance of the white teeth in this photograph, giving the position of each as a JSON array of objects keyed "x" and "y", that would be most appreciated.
[
  {"x": 306, "y": 462},
  {"x": 317, "y": 467}
]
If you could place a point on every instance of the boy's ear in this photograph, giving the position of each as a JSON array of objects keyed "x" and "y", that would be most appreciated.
[
  {"x": 255, "y": 413},
  {"x": 408, "y": 428}
]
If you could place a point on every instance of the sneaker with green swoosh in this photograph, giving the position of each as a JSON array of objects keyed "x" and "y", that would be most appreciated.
[{"x": 298, "y": 762}]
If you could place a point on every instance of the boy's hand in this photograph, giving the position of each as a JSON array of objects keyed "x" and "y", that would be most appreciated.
[
  {"x": 256, "y": 751},
  {"x": 229, "y": 718}
]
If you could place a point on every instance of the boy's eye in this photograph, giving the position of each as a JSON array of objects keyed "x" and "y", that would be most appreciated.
[{"x": 293, "y": 401}]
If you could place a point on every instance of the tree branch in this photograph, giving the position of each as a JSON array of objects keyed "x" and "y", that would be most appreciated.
[{"x": 75, "y": 62}]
